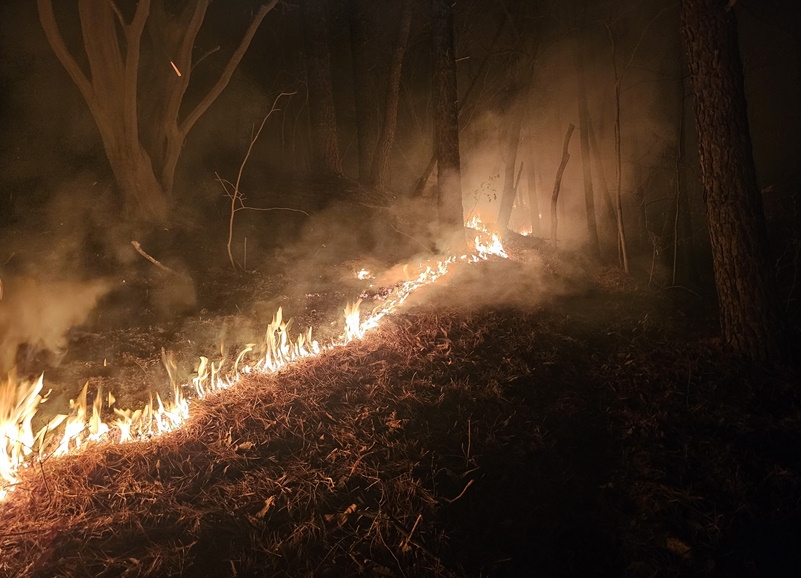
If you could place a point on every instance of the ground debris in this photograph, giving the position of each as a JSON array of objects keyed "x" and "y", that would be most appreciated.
[{"x": 592, "y": 435}]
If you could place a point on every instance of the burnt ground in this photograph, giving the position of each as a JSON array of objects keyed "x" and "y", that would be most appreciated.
[{"x": 578, "y": 425}]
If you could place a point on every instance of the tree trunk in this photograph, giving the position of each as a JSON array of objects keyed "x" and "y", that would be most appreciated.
[
  {"x": 141, "y": 131},
  {"x": 622, "y": 247},
  {"x": 514, "y": 121},
  {"x": 586, "y": 161},
  {"x": 750, "y": 316},
  {"x": 363, "y": 94},
  {"x": 558, "y": 181},
  {"x": 446, "y": 127},
  {"x": 595, "y": 151},
  {"x": 432, "y": 163},
  {"x": 326, "y": 161},
  {"x": 533, "y": 196},
  {"x": 378, "y": 174},
  {"x": 683, "y": 224}
]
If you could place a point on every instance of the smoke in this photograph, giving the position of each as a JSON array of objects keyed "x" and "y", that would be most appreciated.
[{"x": 38, "y": 314}]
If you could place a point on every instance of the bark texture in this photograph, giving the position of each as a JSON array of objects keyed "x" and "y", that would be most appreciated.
[
  {"x": 446, "y": 122},
  {"x": 750, "y": 315}
]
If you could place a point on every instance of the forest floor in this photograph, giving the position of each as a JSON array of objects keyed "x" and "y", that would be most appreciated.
[{"x": 528, "y": 417}]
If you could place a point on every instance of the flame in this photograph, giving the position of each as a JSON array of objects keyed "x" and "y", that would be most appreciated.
[
  {"x": 20, "y": 401},
  {"x": 353, "y": 329},
  {"x": 486, "y": 242}
]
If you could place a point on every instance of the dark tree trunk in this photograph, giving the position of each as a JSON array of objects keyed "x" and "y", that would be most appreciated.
[
  {"x": 378, "y": 174},
  {"x": 533, "y": 196},
  {"x": 514, "y": 120},
  {"x": 446, "y": 125},
  {"x": 558, "y": 182},
  {"x": 326, "y": 161},
  {"x": 586, "y": 161},
  {"x": 432, "y": 163},
  {"x": 684, "y": 229},
  {"x": 750, "y": 316},
  {"x": 608, "y": 204},
  {"x": 359, "y": 38}
]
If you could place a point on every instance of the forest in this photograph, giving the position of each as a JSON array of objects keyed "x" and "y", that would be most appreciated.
[{"x": 400, "y": 288}]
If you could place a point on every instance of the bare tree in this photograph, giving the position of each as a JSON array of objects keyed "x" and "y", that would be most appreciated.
[
  {"x": 142, "y": 131},
  {"x": 750, "y": 314},
  {"x": 618, "y": 77}
]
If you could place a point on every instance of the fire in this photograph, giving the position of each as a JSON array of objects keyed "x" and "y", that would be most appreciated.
[
  {"x": 20, "y": 401},
  {"x": 486, "y": 243}
]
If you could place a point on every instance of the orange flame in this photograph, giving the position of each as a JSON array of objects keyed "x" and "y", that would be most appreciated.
[{"x": 19, "y": 402}]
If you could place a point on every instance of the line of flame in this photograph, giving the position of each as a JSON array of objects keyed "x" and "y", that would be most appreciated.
[{"x": 20, "y": 401}]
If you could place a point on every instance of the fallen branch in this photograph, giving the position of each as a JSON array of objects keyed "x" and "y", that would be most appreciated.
[
  {"x": 470, "y": 483},
  {"x": 161, "y": 266}
]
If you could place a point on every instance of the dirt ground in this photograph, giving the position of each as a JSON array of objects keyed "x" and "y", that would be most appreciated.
[{"x": 529, "y": 417}]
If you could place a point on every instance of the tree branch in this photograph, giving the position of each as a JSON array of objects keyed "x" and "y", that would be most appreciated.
[
  {"x": 184, "y": 61},
  {"x": 48, "y": 20},
  {"x": 237, "y": 194},
  {"x": 225, "y": 77},
  {"x": 133, "y": 39},
  {"x": 102, "y": 47},
  {"x": 116, "y": 10}
]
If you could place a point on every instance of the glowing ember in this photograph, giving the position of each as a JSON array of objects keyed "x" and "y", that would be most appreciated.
[{"x": 19, "y": 401}]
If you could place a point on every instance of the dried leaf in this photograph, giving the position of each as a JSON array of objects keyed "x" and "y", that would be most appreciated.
[
  {"x": 677, "y": 546},
  {"x": 342, "y": 518},
  {"x": 268, "y": 503}
]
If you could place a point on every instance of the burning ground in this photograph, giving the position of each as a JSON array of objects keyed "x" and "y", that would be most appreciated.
[{"x": 598, "y": 430}]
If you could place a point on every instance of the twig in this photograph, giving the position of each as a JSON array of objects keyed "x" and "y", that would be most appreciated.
[
  {"x": 205, "y": 56},
  {"x": 237, "y": 195},
  {"x": 405, "y": 544},
  {"x": 423, "y": 245},
  {"x": 470, "y": 483},
  {"x": 381, "y": 516},
  {"x": 142, "y": 252}
]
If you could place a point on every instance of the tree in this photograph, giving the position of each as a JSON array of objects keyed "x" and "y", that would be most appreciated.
[
  {"x": 326, "y": 161},
  {"x": 750, "y": 317},
  {"x": 446, "y": 125},
  {"x": 520, "y": 72},
  {"x": 142, "y": 131},
  {"x": 359, "y": 39},
  {"x": 586, "y": 162},
  {"x": 378, "y": 174}
]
